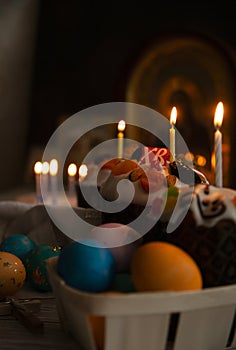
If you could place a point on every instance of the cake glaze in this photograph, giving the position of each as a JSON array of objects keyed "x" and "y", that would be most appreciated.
[{"x": 208, "y": 231}]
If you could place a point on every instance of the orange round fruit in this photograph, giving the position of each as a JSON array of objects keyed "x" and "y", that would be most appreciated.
[{"x": 162, "y": 266}]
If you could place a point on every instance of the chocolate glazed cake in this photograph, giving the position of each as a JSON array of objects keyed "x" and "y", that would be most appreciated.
[{"x": 208, "y": 233}]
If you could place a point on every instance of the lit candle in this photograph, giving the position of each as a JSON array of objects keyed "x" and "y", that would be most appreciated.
[
  {"x": 121, "y": 128},
  {"x": 53, "y": 170},
  {"x": 218, "y": 119},
  {"x": 83, "y": 172},
  {"x": 44, "y": 178},
  {"x": 38, "y": 171},
  {"x": 146, "y": 155},
  {"x": 173, "y": 117},
  {"x": 72, "y": 170}
]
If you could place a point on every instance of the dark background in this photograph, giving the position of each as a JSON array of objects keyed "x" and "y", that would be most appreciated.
[{"x": 85, "y": 52}]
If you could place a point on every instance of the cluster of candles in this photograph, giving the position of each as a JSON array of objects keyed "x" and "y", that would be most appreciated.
[
  {"x": 218, "y": 119},
  {"x": 47, "y": 171},
  {"x": 46, "y": 174}
]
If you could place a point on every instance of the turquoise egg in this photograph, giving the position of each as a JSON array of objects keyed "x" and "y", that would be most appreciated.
[
  {"x": 36, "y": 266},
  {"x": 86, "y": 265},
  {"x": 17, "y": 244},
  {"x": 122, "y": 282}
]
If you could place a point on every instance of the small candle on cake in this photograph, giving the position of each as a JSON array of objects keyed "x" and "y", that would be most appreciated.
[
  {"x": 121, "y": 128},
  {"x": 173, "y": 117},
  {"x": 218, "y": 119}
]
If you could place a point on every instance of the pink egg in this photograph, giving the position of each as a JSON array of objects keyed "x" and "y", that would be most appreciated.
[{"x": 121, "y": 240}]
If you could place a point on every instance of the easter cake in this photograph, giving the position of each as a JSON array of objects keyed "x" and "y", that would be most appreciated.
[
  {"x": 208, "y": 231},
  {"x": 155, "y": 185},
  {"x": 134, "y": 186}
]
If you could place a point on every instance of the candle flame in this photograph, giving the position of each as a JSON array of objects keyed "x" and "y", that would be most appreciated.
[
  {"x": 45, "y": 168},
  {"x": 38, "y": 168},
  {"x": 189, "y": 157},
  {"x": 72, "y": 169},
  {"x": 219, "y": 113},
  {"x": 83, "y": 170},
  {"x": 53, "y": 167},
  {"x": 121, "y": 125},
  {"x": 213, "y": 161},
  {"x": 173, "y": 115},
  {"x": 200, "y": 160}
]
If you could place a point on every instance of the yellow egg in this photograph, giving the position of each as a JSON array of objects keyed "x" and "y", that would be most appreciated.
[
  {"x": 161, "y": 266},
  {"x": 12, "y": 274}
]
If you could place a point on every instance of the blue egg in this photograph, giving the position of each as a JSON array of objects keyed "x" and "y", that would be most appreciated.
[
  {"x": 36, "y": 266},
  {"x": 87, "y": 266},
  {"x": 17, "y": 244}
]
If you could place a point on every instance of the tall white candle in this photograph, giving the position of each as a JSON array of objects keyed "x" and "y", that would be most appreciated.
[
  {"x": 44, "y": 179},
  {"x": 218, "y": 119},
  {"x": 53, "y": 170},
  {"x": 83, "y": 172},
  {"x": 72, "y": 170},
  {"x": 173, "y": 117},
  {"x": 37, "y": 172},
  {"x": 146, "y": 155},
  {"x": 121, "y": 128}
]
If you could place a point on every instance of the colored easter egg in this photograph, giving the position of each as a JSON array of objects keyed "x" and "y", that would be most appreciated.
[
  {"x": 17, "y": 244},
  {"x": 122, "y": 242},
  {"x": 12, "y": 274},
  {"x": 36, "y": 266},
  {"x": 161, "y": 266},
  {"x": 122, "y": 282},
  {"x": 86, "y": 265},
  {"x": 97, "y": 324}
]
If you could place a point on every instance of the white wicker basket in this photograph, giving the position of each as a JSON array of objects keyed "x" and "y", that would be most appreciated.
[{"x": 139, "y": 321}]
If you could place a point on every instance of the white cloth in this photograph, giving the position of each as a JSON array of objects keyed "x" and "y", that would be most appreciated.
[{"x": 34, "y": 221}]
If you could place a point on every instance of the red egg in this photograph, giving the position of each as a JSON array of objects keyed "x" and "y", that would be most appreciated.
[
  {"x": 12, "y": 274},
  {"x": 121, "y": 240}
]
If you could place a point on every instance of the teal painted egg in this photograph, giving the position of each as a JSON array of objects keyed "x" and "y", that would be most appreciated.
[
  {"x": 86, "y": 265},
  {"x": 36, "y": 266},
  {"x": 122, "y": 282},
  {"x": 18, "y": 245}
]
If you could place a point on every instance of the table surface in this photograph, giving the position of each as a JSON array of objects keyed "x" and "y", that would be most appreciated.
[{"x": 13, "y": 335}]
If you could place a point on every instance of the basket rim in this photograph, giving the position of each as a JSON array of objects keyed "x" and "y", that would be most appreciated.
[{"x": 142, "y": 302}]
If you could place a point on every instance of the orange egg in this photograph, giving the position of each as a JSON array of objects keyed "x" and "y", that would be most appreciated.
[
  {"x": 161, "y": 266},
  {"x": 12, "y": 274},
  {"x": 97, "y": 324}
]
